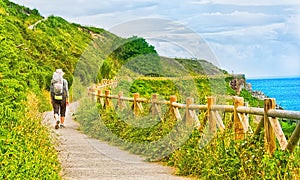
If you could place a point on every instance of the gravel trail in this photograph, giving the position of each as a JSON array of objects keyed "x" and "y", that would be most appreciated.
[{"x": 85, "y": 158}]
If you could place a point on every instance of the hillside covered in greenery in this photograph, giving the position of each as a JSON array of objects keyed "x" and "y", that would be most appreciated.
[
  {"x": 28, "y": 58},
  {"x": 32, "y": 47}
]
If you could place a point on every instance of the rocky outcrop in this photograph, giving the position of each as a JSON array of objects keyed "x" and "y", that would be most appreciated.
[
  {"x": 237, "y": 85},
  {"x": 257, "y": 94}
]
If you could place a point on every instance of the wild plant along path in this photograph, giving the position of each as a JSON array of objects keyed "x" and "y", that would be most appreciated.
[{"x": 86, "y": 158}]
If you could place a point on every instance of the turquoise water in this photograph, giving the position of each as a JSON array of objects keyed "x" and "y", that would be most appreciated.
[{"x": 286, "y": 91}]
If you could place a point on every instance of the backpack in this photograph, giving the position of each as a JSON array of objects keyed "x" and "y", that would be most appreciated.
[{"x": 58, "y": 86}]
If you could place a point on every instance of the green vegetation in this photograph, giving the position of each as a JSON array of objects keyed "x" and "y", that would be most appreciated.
[
  {"x": 186, "y": 148},
  {"x": 224, "y": 158},
  {"x": 134, "y": 54},
  {"x": 32, "y": 47},
  {"x": 200, "y": 67},
  {"x": 171, "y": 142},
  {"x": 26, "y": 148}
]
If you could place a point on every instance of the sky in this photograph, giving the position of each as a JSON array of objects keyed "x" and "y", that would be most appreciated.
[{"x": 256, "y": 38}]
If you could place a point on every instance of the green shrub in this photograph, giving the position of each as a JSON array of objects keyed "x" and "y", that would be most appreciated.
[
  {"x": 26, "y": 148},
  {"x": 221, "y": 158}
]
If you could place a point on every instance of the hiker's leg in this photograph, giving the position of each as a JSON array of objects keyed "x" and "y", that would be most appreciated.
[
  {"x": 63, "y": 107},
  {"x": 55, "y": 108},
  {"x": 62, "y": 120}
]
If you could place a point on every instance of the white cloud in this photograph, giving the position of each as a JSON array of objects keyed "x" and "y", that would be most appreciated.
[
  {"x": 248, "y": 3},
  {"x": 70, "y": 8},
  {"x": 219, "y": 22},
  {"x": 245, "y": 35},
  {"x": 171, "y": 39},
  {"x": 268, "y": 31},
  {"x": 292, "y": 26},
  {"x": 258, "y": 58}
]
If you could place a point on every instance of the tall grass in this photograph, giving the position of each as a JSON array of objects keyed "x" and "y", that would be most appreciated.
[
  {"x": 27, "y": 151},
  {"x": 222, "y": 158}
]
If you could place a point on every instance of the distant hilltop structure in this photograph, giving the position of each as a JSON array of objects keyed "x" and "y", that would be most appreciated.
[{"x": 238, "y": 82}]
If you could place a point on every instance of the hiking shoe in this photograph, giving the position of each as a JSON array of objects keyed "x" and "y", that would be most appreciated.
[
  {"x": 62, "y": 126},
  {"x": 57, "y": 124}
]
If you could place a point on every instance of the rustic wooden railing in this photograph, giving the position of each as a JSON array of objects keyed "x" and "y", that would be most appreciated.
[
  {"x": 105, "y": 83},
  {"x": 269, "y": 115}
]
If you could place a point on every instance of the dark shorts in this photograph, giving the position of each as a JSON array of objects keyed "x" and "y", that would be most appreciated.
[{"x": 59, "y": 107}]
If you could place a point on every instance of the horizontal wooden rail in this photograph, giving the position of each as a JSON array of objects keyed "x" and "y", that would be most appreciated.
[
  {"x": 251, "y": 110},
  {"x": 123, "y": 98},
  {"x": 198, "y": 107},
  {"x": 226, "y": 108},
  {"x": 239, "y": 110},
  {"x": 187, "y": 77},
  {"x": 284, "y": 114},
  {"x": 178, "y": 105}
]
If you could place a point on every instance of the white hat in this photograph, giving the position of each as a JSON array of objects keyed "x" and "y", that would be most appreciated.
[{"x": 60, "y": 71}]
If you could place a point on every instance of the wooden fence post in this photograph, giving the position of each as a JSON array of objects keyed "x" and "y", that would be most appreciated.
[
  {"x": 155, "y": 108},
  {"x": 269, "y": 136},
  {"x": 174, "y": 110},
  {"x": 98, "y": 97},
  {"x": 276, "y": 127},
  {"x": 172, "y": 99},
  {"x": 137, "y": 107},
  {"x": 294, "y": 139},
  {"x": 120, "y": 103},
  {"x": 247, "y": 127},
  {"x": 188, "y": 116},
  {"x": 107, "y": 102},
  {"x": 238, "y": 126},
  {"x": 210, "y": 116}
]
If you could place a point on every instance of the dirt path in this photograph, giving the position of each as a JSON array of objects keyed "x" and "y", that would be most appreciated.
[{"x": 86, "y": 158}]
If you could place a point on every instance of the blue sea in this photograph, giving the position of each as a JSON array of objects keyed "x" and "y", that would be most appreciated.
[{"x": 286, "y": 91}]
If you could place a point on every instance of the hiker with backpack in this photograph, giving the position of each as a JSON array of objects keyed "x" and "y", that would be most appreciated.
[{"x": 59, "y": 97}]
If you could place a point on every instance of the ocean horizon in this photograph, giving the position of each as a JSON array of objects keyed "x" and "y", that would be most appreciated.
[{"x": 285, "y": 90}]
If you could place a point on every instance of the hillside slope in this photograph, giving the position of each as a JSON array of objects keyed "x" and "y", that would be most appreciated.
[
  {"x": 32, "y": 47},
  {"x": 29, "y": 55}
]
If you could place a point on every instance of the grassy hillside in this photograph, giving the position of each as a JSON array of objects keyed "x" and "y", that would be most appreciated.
[
  {"x": 32, "y": 47},
  {"x": 193, "y": 152}
]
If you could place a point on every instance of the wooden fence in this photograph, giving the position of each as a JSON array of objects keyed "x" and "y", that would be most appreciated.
[{"x": 269, "y": 114}]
